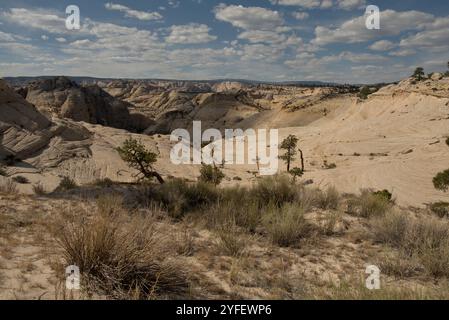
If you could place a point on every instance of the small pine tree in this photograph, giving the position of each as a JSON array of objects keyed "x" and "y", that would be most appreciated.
[
  {"x": 364, "y": 92},
  {"x": 289, "y": 145},
  {"x": 139, "y": 158},
  {"x": 419, "y": 74}
]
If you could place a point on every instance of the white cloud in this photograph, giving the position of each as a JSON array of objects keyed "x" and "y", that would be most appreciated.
[
  {"x": 403, "y": 53},
  {"x": 36, "y": 19},
  {"x": 130, "y": 13},
  {"x": 249, "y": 18},
  {"x": 191, "y": 33},
  {"x": 382, "y": 45},
  {"x": 354, "y": 30},
  {"x": 257, "y": 36},
  {"x": 300, "y": 15},
  {"x": 321, "y": 4}
]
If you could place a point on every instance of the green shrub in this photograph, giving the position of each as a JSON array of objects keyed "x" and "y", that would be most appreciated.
[
  {"x": 275, "y": 190},
  {"x": 20, "y": 180},
  {"x": 384, "y": 194},
  {"x": 441, "y": 209},
  {"x": 211, "y": 174},
  {"x": 370, "y": 204},
  {"x": 441, "y": 181}
]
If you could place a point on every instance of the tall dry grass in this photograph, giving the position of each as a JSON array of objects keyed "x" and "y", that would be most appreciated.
[{"x": 119, "y": 256}]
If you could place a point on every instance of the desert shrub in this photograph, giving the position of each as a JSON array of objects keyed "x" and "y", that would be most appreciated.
[
  {"x": 66, "y": 184},
  {"x": 120, "y": 256},
  {"x": 328, "y": 199},
  {"x": 39, "y": 189},
  {"x": 237, "y": 178},
  {"x": 441, "y": 181},
  {"x": 369, "y": 204},
  {"x": 400, "y": 265},
  {"x": 384, "y": 194},
  {"x": 8, "y": 186},
  {"x": 104, "y": 183},
  {"x": 179, "y": 197},
  {"x": 211, "y": 174},
  {"x": 441, "y": 209},
  {"x": 286, "y": 226},
  {"x": 230, "y": 241},
  {"x": 275, "y": 190},
  {"x": 20, "y": 180},
  {"x": 426, "y": 239}
]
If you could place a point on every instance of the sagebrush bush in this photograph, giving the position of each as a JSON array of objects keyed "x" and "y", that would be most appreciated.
[
  {"x": 441, "y": 209},
  {"x": 211, "y": 174},
  {"x": 286, "y": 226},
  {"x": 275, "y": 190},
  {"x": 424, "y": 238},
  {"x": 369, "y": 204},
  {"x": 328, "y": 199},
  {"x": 120, "y": 256}
]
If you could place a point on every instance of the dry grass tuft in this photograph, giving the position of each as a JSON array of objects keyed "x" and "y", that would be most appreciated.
[
  {"x": 423, "y": 238},
  {"x": 8, "y": 187},
  {"x": 119, "y": 256},
  {"x": 286, "y": 226}
]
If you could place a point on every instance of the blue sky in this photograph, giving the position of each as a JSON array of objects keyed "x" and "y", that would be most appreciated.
[{"x": 270, "y": 40}]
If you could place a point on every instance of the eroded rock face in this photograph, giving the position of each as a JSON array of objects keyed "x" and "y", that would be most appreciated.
[
  {"x": 60, "y": 97},
  {"x": 26, "y": 133}
]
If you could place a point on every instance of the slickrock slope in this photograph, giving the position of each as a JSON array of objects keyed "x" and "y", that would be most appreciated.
[
  {"x": 395, "y": 140},
  {"x": 64, "y": 98},
  {"x": 27, "y": 134}
]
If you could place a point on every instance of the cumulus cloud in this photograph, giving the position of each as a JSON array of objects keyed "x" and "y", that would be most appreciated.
[
  {"x": 130, "y": 13},
  {"x": 355, "y": 31},
  {"x": 300, "y": 15},
  {"x": 382, "y": 45},
  {"x": 322, "y": 4},
  {"x": 248, "y": 18},
  {"x": 191, "y": 33}
]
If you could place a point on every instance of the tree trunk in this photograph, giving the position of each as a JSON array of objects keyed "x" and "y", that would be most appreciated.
[{"x": 302, "y": 160}]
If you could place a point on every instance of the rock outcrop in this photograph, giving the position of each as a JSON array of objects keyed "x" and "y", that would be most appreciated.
[{"x": 60, "y": 97}]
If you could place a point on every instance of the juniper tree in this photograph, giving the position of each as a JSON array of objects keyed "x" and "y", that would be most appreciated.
[
  {"x": 289, "y": 145},
  {"x": 134, "y": 153},
  {"x": 419, "y": 74}
]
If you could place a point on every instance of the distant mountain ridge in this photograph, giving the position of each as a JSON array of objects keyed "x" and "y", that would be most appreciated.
[{"x": 24, "y": 80}]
